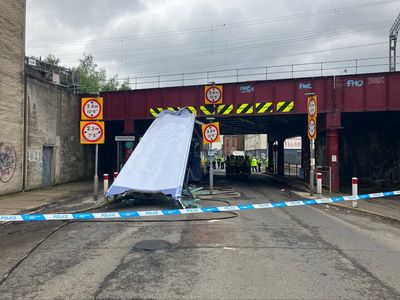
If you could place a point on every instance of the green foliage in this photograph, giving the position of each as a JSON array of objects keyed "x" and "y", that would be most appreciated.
[
  {"x": 125, "y": 86},
  {"x": 52, "y": 59},
  {"x": 92, "y": 78}
]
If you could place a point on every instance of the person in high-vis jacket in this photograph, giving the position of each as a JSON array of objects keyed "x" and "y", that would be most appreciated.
[{"x": 254, "y": 164}]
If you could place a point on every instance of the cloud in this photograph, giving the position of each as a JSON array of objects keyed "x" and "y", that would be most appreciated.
[{"x": 134, "y": 38}]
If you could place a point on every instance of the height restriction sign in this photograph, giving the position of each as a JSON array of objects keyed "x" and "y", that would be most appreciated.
[
  {"x": 92, "y": 108},
  {"x": 213, "y": 94},
  {"x": 210, "y": 133},
  {"x": 312, "y": 117},
  {"x": 92, "y": 132}
]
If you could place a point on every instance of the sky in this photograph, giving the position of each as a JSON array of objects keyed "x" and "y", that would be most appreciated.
[{"x": 152, "y": 42}]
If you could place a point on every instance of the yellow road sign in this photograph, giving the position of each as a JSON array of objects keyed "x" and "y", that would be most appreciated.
[
  {"x": 92, "y": 108},
  {"x": 312, "y": 117},
  {"x": 213, "y": 94},
  {"x": 312, "y": 106},
  {"x": 92, "y": 132},
  {"x": 210, "y": 133}
]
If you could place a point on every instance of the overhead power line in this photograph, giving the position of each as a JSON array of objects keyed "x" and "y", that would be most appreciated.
[{"x": 211, "y": 28}]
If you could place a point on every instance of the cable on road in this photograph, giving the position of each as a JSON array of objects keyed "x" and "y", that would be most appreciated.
[
  {"x": 15, "y": 266},
  {"x": 31, "y": 251}
]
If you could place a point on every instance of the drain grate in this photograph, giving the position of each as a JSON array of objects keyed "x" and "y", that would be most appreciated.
[{"x": 151, "y": 245}]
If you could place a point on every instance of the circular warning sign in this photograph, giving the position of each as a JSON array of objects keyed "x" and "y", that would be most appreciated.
[
  {"x": 312, "y": 106},
  {"x": 92, "y": 132},
  {"x": 213, "y": 94},
  {"x": 211, "y": 133},
  {"x": 92, "y": 108},
  {"x": 311, "y": 129}
]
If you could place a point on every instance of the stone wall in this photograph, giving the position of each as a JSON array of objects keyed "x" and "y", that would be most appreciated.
[
  {"x": 12, "y": 52},
  {"x": 54, "y": 154}
]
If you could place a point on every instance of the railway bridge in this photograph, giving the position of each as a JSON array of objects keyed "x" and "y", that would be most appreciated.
[{"x": 358, "y": 123}]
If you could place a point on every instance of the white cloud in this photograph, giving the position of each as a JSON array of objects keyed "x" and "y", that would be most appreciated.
[{"x": 155, "y": 36}]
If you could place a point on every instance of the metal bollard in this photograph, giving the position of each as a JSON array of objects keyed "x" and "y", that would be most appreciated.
[
  {"x": 319, "y": 183},
  {"x": 115, "y": 175},
  {"x": 105, "y": 183},
  {"x": 354, "y": 189}
]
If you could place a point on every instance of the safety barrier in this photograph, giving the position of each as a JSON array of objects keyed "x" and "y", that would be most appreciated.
[{"x": 169, "y": 212}]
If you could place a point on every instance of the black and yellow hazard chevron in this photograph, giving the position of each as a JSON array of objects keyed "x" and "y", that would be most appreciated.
[
  {"x": 207, "y": 110},
  {"x": 192, "y": 109},
  {"x": 155, "y": 111},
  {"x": 173, "y": 108},
  {"x": 284, "y": 106},
  {"x": 225, "y": 109},
  {"x": 245, "y": 108},
  {"x": 264, "y": 107}
]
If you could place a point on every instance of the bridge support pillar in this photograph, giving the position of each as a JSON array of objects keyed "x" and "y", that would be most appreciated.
[
  {"x": 281, "y": 157},
  {"x": 332, "y": 151}
]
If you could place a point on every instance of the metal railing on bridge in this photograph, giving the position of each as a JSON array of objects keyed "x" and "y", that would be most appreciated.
[{"x": 300, "y": 70}]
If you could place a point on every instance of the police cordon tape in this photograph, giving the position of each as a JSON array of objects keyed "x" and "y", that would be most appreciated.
[{"x": 170, "y": 212}]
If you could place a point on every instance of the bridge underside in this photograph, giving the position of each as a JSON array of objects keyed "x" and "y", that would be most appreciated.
[{"x": 366, "y": 145}]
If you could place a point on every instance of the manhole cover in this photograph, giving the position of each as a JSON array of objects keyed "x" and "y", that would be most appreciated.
[{"x": 151, "y": 245}]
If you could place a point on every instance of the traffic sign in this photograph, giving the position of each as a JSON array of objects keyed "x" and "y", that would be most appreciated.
[
  {"x": 210, "y": 133},
  {"x": 312, "y": 129},
  {"x": 213, "y": 94},
  {"x": 312, "y": 106},
  {"x": 92, "y": 132},
  {"x": 124, "y": 138},
  {"x": 92, "y": 108},
  {"x": 312, "y": 117}
]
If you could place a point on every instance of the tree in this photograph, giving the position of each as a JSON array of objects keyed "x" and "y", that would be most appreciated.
[
  {"x": 125, "y": 86},
  {"x": 110, "y": 85},
  {"x": 52, "y": 60},
  {"x": 92, "y": 79}
]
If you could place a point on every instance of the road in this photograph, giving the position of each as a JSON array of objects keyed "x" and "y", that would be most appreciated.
[{"x": 299, "y": 252}]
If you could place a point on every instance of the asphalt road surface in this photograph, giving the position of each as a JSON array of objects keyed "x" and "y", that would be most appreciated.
[{"x": 299, "y": 252}]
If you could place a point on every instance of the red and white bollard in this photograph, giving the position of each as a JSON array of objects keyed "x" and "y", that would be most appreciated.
[
  {"x": 319, "y": 183},
  {"x": 115, "y": 175},
  {"x": 105, "y": 183},
  {"x": 354, "y": 189}
]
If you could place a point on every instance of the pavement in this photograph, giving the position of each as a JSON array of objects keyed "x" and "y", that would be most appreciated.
[
  {"x": 382, "y": 207},
  {"x": 70, "y": 197}
]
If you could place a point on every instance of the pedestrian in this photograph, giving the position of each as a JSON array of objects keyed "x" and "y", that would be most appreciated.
[
  {"x": 259, "y": 162},
  {"x": 254, "y": 164}
]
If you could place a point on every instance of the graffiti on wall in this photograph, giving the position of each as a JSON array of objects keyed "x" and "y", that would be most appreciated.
[
  {"x": 8, "y": 162},
  {"x": 35, "y": 159}
]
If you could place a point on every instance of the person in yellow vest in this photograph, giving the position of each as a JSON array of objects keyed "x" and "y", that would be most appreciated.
[
  {"x": 259, "y": 162},
  {"x": 254, "y": 164}
]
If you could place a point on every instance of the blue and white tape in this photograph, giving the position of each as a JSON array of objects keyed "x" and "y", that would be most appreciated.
[{"x": 169, "y": 212}]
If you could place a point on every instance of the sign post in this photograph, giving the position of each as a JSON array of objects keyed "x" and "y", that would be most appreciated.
[
  {"x": 312, "y": 135},
  {"x": 211, "y": 135},
  {"x": 92, "y": 131}
]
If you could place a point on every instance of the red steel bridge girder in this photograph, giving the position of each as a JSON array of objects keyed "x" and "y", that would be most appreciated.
[{"x": 350, "y": 93}]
